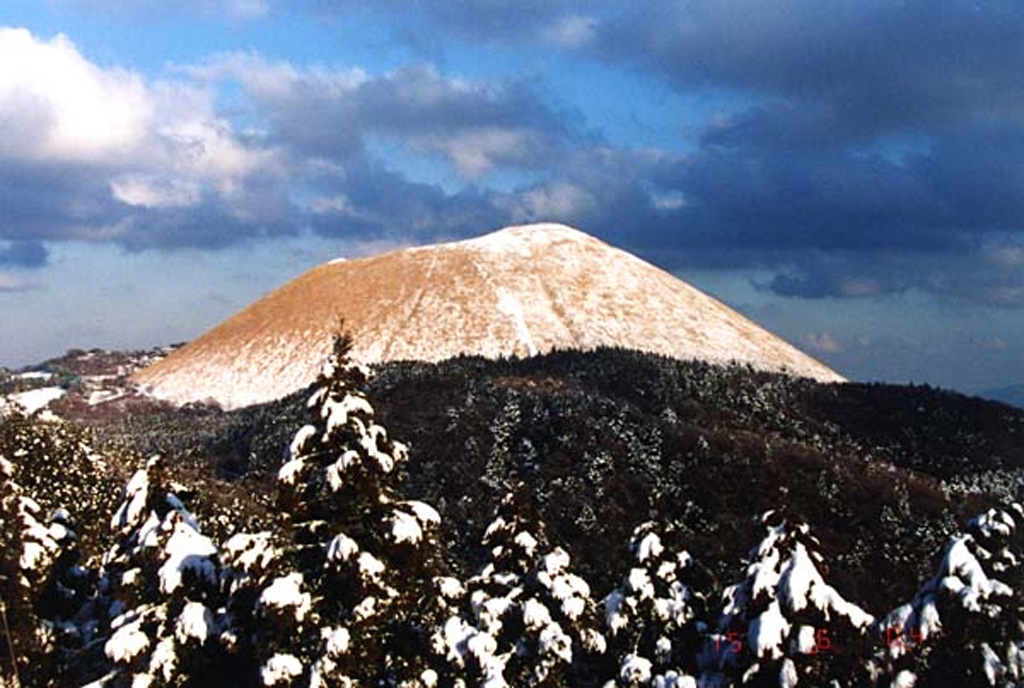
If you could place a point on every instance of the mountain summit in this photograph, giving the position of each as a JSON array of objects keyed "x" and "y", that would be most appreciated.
[{"x": 521, "y": 290}]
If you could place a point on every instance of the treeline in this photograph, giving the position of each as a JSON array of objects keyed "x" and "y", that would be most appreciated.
[{"x": 351, "y": 583}]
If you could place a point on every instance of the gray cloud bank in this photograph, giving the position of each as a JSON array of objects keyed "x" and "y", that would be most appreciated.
[{"x": 872, "y": 148}]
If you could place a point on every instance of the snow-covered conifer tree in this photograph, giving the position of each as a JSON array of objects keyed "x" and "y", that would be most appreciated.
[
  {"x": 963, "y": 627},
  {"x": 41, "y": 585},
  {"x": 652, "y": 617},
  {"x": 350, "y": 593},
  {"x": 781, "y": 624},
  {"x": 526, "y": 618},
  {"x": 161, "y": 578}
]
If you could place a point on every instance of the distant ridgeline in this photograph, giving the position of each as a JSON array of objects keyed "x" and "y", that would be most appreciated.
[{"x": 599, "y": 519}]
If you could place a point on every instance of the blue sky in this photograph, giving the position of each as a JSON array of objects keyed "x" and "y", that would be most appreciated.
[{"x": 847, "y": 174}]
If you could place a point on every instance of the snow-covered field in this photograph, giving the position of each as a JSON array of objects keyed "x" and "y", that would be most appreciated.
[{"x": 36, "y": 399}]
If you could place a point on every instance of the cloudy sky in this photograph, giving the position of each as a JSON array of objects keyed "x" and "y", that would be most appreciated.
[{"x": 849, "y": 174}]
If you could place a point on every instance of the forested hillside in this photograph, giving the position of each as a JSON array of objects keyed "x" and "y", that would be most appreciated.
[{"x": 571, "y": 519}]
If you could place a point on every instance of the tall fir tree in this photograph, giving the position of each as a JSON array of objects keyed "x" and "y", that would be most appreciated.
[
  {"x": 963, "y": 626},
  {"x": 783, "y": 624},
  {"x": 161, "y": 580},
  {"x": 347, "y": 598},
  {"x": 42, "y": 586},
  {"x": 653, "y": 618},
  {"x": 525, "y": 619}
]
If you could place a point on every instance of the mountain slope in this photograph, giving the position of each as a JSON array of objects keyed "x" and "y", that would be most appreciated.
[{"x": 519, "y": 291}]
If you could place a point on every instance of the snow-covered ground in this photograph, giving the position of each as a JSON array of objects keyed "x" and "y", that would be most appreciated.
[{"x": 36, "y": 399}]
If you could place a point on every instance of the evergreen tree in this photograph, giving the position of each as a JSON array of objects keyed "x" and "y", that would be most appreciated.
[
  {"x": 348, "y": 597},
  {"x": 161, "y": 581},
  {"x": 42, "y": 588},
  {"x": 653, "y": 616},
  {"x": 783, "y": 624},
  {"x": 964, "y": 625},
  {"x": 525, "y": 619}
]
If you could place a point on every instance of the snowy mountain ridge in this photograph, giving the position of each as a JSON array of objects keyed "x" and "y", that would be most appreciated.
[{"x": 518, "y": 291}]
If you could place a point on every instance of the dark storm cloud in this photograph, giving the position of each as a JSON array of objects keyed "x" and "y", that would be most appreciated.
[
  {"x": 868, "y": 135},
  {"x": 55, "y": 202},
  {"x": 867, "y": 148},
  {"x": 870, "y": 65},
  {"x": 743, "y": 189},
  {"x": 44, "y": 201},
  {"x": 381, "y": 203},
  {"x": 25, "y": 254},
  {"x": 984, "y": 275}
]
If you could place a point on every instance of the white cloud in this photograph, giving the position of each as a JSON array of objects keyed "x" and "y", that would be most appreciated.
[
  {"x": 554, "y": 201},
  {"x": 151, "y": 145},
  {"x": 247, "y": 9},
  {"x": 323, "y": 205},
  {"x": 275, "y": 79},
  {"x": 572, "y": 31},
  {"x": 1004, "y": 256},
  {"x": 147, "y": 191},
  {"x": 54, "y": 104},
  {"x": 474, "y": 151},
  {"x": 822, "y": 342}
]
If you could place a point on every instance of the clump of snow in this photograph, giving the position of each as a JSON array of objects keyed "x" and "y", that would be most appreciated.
[
  {"x": 249, "y": 551},
  {"x": 994, "y": 522},
  {"x": 366, "y": 608},
  {"x": 768, "y": 631},
  {"x": 526, "y": 540},
  {"x": 905, "y": 679},
  {"x": 291, "y": 470},
  {"x": 280, "y": 670},
  {"x": 424, "y": 513},
  {"x": 304, "y": 434},
  {"x": 187, "y": 551},
  {"x": 649, "y": 546},
  {"x": 405, "y": 528},
  {"x": 336, "y": 640},
  {"x": 341, "y": 548},
  {"x": 127, "y": 642},
  {"x": 635, "y": 670},
  {"x": 285, "y": 594},
  {"x": 163, "y": 661},
  {"x": 194, "y": 623},
  {"x": 450, "y": 587},
  {"x": 370, "y": 566}
]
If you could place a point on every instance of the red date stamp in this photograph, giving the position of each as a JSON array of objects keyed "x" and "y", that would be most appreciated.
[
  {"x": 732, "y": 641},
  {"x": 895, "y": 636}
]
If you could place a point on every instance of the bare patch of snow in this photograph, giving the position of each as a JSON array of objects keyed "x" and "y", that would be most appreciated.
[{"x": 37, "y": 399}]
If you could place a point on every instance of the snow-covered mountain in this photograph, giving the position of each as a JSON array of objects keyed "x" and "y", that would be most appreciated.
[{"x": 521, "y": 290}]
